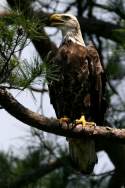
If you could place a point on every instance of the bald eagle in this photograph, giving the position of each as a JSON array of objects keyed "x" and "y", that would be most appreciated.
[{"x": 79, "y": 89}]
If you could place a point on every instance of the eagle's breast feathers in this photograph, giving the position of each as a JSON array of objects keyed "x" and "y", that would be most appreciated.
[{"x": 80, "y": 77}]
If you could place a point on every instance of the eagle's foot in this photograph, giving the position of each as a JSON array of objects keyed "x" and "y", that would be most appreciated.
[
  {"x": 84, "y": 122},
  {"x": 64, "y": 119}
]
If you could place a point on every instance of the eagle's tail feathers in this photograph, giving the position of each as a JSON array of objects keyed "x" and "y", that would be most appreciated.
[{"x": 83, "y": 154}]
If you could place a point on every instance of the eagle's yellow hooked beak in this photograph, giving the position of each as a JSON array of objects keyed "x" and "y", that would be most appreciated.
[{"x": 56, "y": 19}]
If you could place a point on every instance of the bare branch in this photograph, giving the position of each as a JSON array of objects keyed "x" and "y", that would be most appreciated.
[
  {"x": 116, "y": 9},
  {"x": 42, "y": 90},
  {"x": 101, "y": 28}
]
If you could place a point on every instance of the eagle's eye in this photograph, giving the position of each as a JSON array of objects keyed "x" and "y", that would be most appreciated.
[{"x": 66, "y": 17}]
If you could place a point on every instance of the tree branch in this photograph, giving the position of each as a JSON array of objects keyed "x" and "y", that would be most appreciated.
[
  {"x": 38, "y": 90},
  {"x": 102, "y": 28},
  {"x": 116, "y": 9},
  {"x": 51, "y": 125}
]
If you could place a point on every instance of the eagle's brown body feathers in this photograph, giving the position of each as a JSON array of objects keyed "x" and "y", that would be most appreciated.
[{"x": 79, "y": 89}]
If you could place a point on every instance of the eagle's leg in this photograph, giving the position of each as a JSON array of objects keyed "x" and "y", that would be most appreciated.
[
  {"x": 64, "y": 119},
  {"x": 83, "y": 121}
]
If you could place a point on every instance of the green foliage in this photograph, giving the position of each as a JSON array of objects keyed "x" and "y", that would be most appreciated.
[
  {"x": 59, "y": 178},
  {"x": 119, "y": 35},
  {"x": 115, "y": 67},
  {"x": 35, "y": 71},
  {"x": 6, "y": 166},
  {"x": 31, "y": 27},
  {"x": 14, "y": 33}
]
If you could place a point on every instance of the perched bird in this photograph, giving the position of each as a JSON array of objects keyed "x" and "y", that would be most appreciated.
[{"x": 78, "y": 93}]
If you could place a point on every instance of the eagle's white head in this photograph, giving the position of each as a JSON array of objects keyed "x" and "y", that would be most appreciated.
[{"x": 69, "y": 25}]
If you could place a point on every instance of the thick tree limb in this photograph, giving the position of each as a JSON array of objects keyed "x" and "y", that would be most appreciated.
[
  {"x": 12, "y": 106},
  {"x": 101, "y": 28}
]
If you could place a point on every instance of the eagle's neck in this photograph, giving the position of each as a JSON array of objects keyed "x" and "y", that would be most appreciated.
[{"x": 74, "y": 36}]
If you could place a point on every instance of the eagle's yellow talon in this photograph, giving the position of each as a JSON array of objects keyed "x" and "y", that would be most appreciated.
[
  {"x": 84, "y": 122},
  {"x": 64, "y": 119},
  {"x": 81, "y": 121}
]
